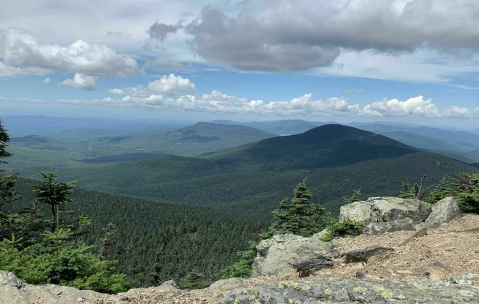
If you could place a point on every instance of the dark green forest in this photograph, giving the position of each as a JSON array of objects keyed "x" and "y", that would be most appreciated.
[{"x": 157, "y": 241}]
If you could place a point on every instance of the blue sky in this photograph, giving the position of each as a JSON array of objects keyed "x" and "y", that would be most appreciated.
[{"x": 356, "y": 60}]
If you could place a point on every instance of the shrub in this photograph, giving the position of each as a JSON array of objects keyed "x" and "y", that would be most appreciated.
[
  {"x": 194, "y": 280},
  {"x": 67, "y": 266},
  {"x": 346, "y": 227},
  {"x": 242, "y": 268}
]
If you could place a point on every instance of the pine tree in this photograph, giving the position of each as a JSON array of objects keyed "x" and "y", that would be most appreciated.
[
  {"x": 354, "y": 198},
  {"x": 8, "y": 182},
  {"x": 297, "y": 215},
  {"x": 4, "y": 140},
  {"x": 55, "y": 194}
]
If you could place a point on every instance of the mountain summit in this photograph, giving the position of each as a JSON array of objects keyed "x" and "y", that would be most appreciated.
[{"x": 326, "y": 146}]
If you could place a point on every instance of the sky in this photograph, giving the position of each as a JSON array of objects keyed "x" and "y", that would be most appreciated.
[{"x": 318, "y": 60}]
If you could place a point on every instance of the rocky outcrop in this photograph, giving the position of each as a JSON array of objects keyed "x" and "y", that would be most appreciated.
[
  {"x": 355, "y": 291},
  {"x": 286, "y": 254},
  {"x": 444, "y": 211},
  {"x": 389, "y": 214},
  {"x": 14, "y": 291}
]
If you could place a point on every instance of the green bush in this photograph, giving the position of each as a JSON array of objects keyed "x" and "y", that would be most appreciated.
[
  {"x": 74, "y": 267},
  {"x": 194, "y": 280},
  {"x": 242, "y": 268},
  {"x": 346, "y": 227}
]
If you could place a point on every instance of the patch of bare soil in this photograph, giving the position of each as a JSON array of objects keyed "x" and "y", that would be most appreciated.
[{"x": 448, "y": 251}]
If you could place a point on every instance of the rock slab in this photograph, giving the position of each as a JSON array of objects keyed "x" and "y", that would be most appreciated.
[
  {"x": 14, "y": 291},
  {"x": 387, "y": 214},
  {"x": 286, "y": 254},
  {"x": 349, "y": 291},
  {"x": 444, "y": 211}
]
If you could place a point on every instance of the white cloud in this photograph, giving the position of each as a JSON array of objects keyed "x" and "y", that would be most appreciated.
[
  {"x": 461, "y": 112},
  {"x": 116, "y": 91},
  {"x": 361, "y": 92},
  {"x": 424, "y": 66},
  {"x": 47, "y": 80},
  {"x": 220, "y": 103},
  {"x": 171, "y": 85},
  {"x": 412, "y": 107},
  {"x": 81, "y": 81},
  {"x": 217, "y": 102},
  {"x": 22, "y": 55},
  {"x": 20, "y": 99},
  {"x": 166, "y": 85}
]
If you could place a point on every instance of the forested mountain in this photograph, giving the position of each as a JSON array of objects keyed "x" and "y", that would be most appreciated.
[
  {"x": 419, "y": 141},
  {"x": 190, "y": 141},
  {"x": 322, "y": 147},
  {"x": 35, "y": 153},
  {"x": 280, "y": 127},
  {"x": 458, "y": 141},
  {"x": 252, "y": 179},
  {"x": 157, "y": 241}
]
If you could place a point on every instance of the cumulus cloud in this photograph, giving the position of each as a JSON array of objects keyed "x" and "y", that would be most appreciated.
[
  {"x": 461, "y": 112},
  {"x": 361, "y": 92},
  {"x": 116, "y": 91},
  {"x": 347, "y": 92},
  {"x": 22, "y": 55},
  {"x": 417, "y": 107},
  {"x": 220, "y": 103},
  {"x": 165, "y": 64},
  {"x": 166, "y": 85},
  {"x": 47, "y": 80},
  {"x": 290, "y": 35},
  {"x": 81, "y": 81},
  {"x": 217, "y": 102}
]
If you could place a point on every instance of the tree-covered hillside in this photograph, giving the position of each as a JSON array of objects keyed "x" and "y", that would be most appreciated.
[
  {"x": 322, "y": 147},
  {"x": 157, "y": 241}
]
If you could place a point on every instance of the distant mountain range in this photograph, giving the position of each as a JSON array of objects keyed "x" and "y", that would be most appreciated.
[
  {"x": 280, "y": 127},
  {"x": 251, "y": 179},
  {"x": 37, "y": 153}
]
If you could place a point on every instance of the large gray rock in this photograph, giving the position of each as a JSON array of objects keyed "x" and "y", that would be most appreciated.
[
  {"x": 170, "y": 285},
  {"x": 14, "y": 291},
  {"x": 286, "y": 254},
  {"x": 387, "y": 214},
  {"x": 444, "y": 211},
  {"x": 349, "y": 291},
  {"x": 226, "y": 285}
]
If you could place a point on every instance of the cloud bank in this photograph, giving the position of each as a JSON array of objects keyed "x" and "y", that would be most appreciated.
[
  {"x": 155, "y": 96},
  {"x": 22, "y": 55},
  {"x": 290, "y": 35}
]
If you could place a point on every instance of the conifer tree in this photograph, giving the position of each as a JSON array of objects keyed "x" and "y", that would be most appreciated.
[
  {"x": 7, "y": 182},
  {"x": 297, "y": 215},
  {"x": 55, "y": 194},
  {"x": 354, "y": 198}
]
